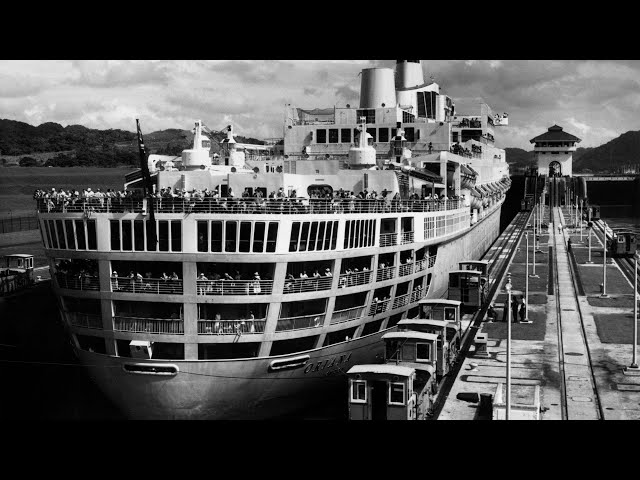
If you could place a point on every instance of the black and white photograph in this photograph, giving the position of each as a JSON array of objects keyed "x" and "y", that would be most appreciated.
[{"x": 300, "y": 240}]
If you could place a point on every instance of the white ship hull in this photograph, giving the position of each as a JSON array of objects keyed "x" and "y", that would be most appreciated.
[{"x": 245, "y": 388}]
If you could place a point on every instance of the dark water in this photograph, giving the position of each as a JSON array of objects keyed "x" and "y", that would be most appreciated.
[{"x": 620, "y": 217}]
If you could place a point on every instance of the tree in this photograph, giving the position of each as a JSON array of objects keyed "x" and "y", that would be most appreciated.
[{"x": 28, "y": 162}]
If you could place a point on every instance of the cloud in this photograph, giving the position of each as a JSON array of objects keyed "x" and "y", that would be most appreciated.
[
  {"x": 110, "y": 73},
  {"x": 16, "y": 85}
]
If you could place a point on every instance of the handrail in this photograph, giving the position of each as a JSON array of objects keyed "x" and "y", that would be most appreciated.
[
  {"x": 235, "y": 287},
  {"x": 311, "y": 284},
  {"x": 251, "y": 205},
  {"x": 148, "y": 325},
  {"x": 86, "y": 320},
  {"x": 388, "y": 239},
  {"x": 379, "y": 306},
  {"x": 386, "y": 273},
  {"x": 146, "y": 285},
  {"x": 231, "y": 327},
  {"x": 406, "y": 237},
  {"x": 77, "y": 282},
  {"x": 353, "y": 279},
  {"x": 347, "y": 314},
  {"x": 405, "y": 269},
  {"x": 297, "y": 323}
]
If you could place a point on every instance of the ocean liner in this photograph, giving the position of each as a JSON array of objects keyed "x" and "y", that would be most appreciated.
[{"x": 245, "y": 284}]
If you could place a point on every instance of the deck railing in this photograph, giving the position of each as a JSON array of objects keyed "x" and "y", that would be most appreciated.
[
  {"x": 353, "y": 279},
  {"x": 347, "y": 314},
  {"x": 248, "y": 205},
  {"x": 379, "y": 306},
  {"x": 388, "y": 239},
  {"x": 146, "y": 285},
  {"x": 299, "y": 285},
  {"x": 298, "y": 323},
  {"x": 231, "y": 327},
  {"x": 386, "y": 273},
  {"x": 405, "y": 269},
  {"x": 86, "y": 320},
  {"x": 148, "y": 325},
  {"x": 235, "y": 287},
  {"x": 78, "y": 282},
  {"x": 418, "y": 294},
  {"x": 406, "y": 237},
  {"x": 421, "y": 265}
]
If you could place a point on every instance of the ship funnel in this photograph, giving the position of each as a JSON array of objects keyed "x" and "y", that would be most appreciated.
[
  {"x": 408, "y": 74},
  {"x": 377, "y": 88}
]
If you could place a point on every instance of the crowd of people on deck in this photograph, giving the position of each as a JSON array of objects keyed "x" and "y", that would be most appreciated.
[{"x": 212, "y": 201}]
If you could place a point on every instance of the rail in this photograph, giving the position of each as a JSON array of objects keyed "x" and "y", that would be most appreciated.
[
  {"x": 78, "y": 282},
  {"x": 231, "y": 327},
  {"x": 234, "y": 287},
  {"x": 86, "y": 320},
  {"x": 347, "y": 314},
  {"x": 251, "y": 205},
  {"x": 388, "y": 239},
  {"x": 298, "y": 323},
  {"x": 148, "y": 325},
  {"x": 156, "y": 286},
  {"x": 386, "y": 273},
  {"x": 405, "y": 269},
  {"x": 406, "y": 237},
  {"x": 379, "y": 306},
  {"x": 355, "y": 278},
  {"x": 312, "y": 284}
]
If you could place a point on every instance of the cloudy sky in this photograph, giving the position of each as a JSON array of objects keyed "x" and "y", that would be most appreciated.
[{"x": 596, "y": 100}]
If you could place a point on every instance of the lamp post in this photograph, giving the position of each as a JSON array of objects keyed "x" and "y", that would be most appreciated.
[
  {"x": 633, "y": 368},
  {"x": 526, "y": 282},
  {"x": 533, "y": 275},
  {"x": 508, "y": 402},
  {"x": 589, "y": 227},
  {"x": 581, "y": 221},
  {"x": 604, "y": 263}
]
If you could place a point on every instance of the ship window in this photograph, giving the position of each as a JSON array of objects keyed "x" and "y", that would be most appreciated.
[
  {"x": 227, "y": 350},
  {"x": 245, "y": 237},
  {"x": 126, "y": 235},
  {"x": 68, "y": 226},
  {"x": 372, "y": 132},
  {"x": 393, "y": 321},
  {"x": 304, "y": 235},
  {"x": 152, "y": 240},
  {"x": 54, "y": 238},
  {"x": 258, "y": 237},
  {"x": 383, "y": 135},
  {"x": 115, "y": 234},
  {"x": 82, "y": 242},
  {"x": 230, "y": 236},
  {"x": 319, "y": 241},
  {"x": 371, "y": 327},
  {"x": 409, "y": 134},
  {"x": 91, "y": 235},
  {"x": 295, "y": 234},
  {"x": 312, "y": 236},
  {"x": 46, "y": 227},
  {"x": 408, "y": 117},
  {"x": 339, "y": 336},
  {"x": 327, "y": 235},
  {"x": 176, "y": 235},
  {"x": 396, "y": 393},
  {"x": 321, "y": 135},
  {"x": 370, "y": 115},
  {"x": 60, "y": 233},
  {"x": 216, "y": 236},
  {"x": 91, "y": 344},
  {"x": 359, "y": 391},
  {"x": 138, "y": 235},
  {"x": 294, "y": 345},
  {"x": 347, "y": 234},
  {"x": 423, "y": 352},
  {"x": 334, "y": 236},
  {"x": 345, "y": 135},
  {"x": 203, "y": 236},
  {"x": 333, "y": 135},
  {"x": 163, "y": 235},
  {"x": 394, "y": 132}
]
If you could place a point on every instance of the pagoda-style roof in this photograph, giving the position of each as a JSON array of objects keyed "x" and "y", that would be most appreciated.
[{"x": 555, "y": 134}]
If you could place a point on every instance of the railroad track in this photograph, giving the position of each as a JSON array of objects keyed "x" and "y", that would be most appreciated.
[
  {"x": 574, "y": 390},
  {"x": 499, "y": 257}
]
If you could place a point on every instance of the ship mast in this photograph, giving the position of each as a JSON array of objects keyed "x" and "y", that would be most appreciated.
[{"x": 147, "y": 183}]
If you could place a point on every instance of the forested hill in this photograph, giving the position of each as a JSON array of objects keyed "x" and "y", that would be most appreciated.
[
  {"x": 617, "y": 156},
  {"x": 76, "y": 145}
]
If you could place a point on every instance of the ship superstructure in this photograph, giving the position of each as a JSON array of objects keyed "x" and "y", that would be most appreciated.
[{"x": 247, "y": 285}]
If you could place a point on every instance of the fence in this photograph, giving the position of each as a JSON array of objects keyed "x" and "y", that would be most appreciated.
[{"x": 18, "y": 224}]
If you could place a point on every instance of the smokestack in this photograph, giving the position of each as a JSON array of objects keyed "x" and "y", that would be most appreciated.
[
  {"x": 376, "y": 88},
  {"x": 408, "y": 74}
]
